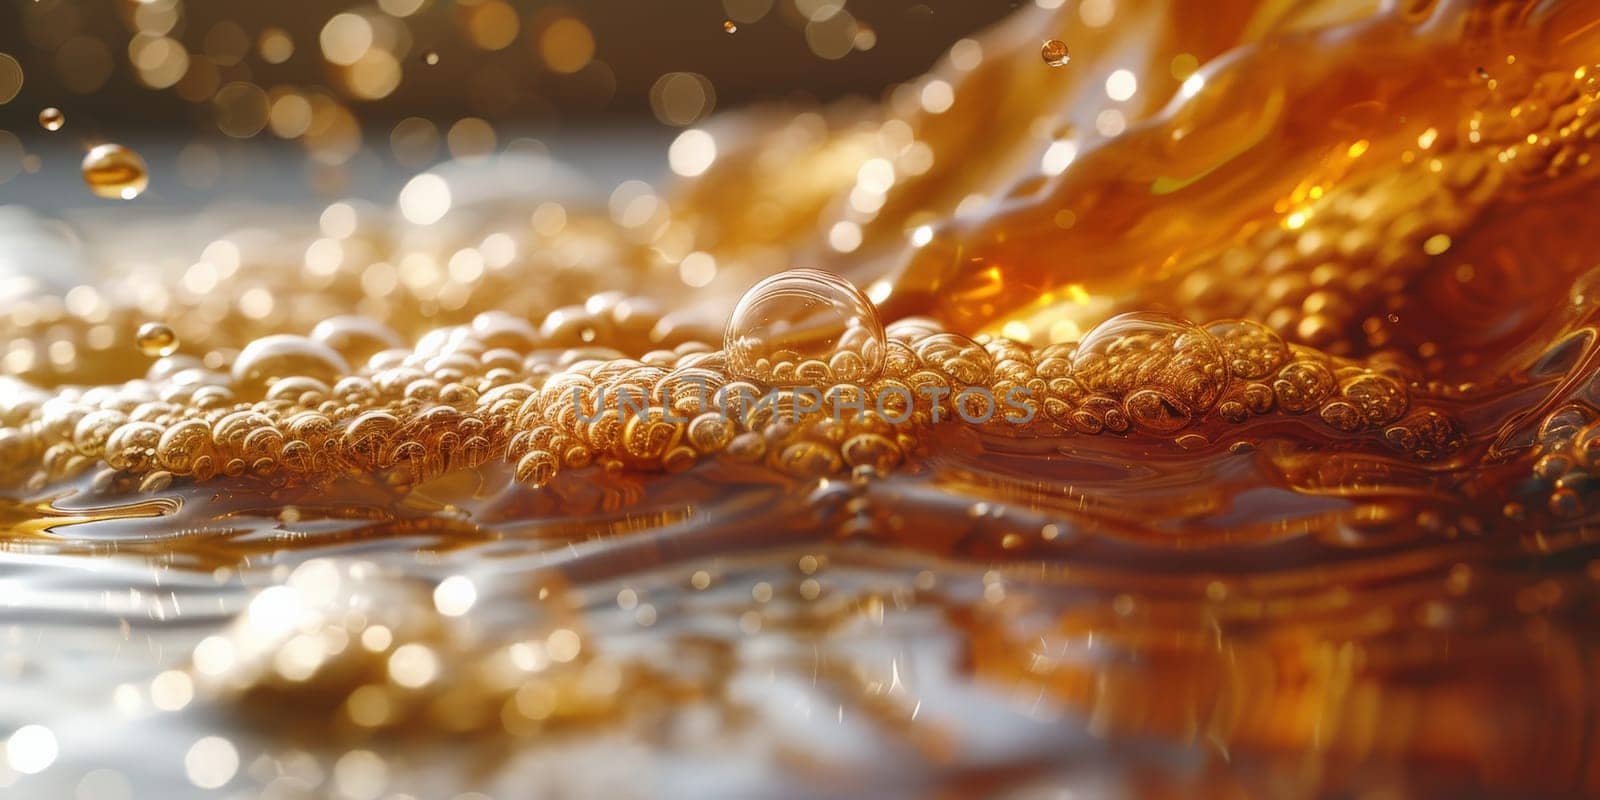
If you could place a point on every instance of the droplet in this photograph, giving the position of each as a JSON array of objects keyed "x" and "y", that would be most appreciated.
[
  {"x": 156, "y": 340},
  {"x": 1054, "y": 53},
  {"x": 430, "y": 57},
  {"x": 115, "y": 172},
  {"x": 730, "y": 26},
  {"x": 51, "y": 119},
  {"x": 805, "y": 327}
]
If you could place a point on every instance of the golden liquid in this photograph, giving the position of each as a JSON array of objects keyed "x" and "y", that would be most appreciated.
[{"x": 1303, "y": 509}]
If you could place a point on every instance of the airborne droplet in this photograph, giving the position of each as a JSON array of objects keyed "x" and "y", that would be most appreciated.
[
  {"x": 730, "y": 26},
  {"x": 115, "y": 172},
  {"x": 51, "y": 119},
  {"x": 1054, "y": 53},
  {"x": 156, "y": 340}
]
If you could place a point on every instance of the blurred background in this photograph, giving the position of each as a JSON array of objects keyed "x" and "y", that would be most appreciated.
[{"x": 295, "y": 98}]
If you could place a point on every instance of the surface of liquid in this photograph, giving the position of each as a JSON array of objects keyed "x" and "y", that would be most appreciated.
[{"x": 1301, "y": 300}]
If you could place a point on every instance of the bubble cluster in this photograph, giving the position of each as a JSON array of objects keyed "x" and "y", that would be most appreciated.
[
  {"x": 1334, "y": 273},
  {"x": 543, "y": 400},
  {"x": 353, "y": 268},
  {"x": 1567, "y": 461},
  {"x": 1163, "y": 370}
]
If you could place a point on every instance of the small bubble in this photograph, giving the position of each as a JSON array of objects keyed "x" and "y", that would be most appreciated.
[
  {"x": 51, "y": 119},
  {"x": 115, "y": 172},
  {"x": 156, "y": 340},
  {"x": 730, "y": 26},
  {"x": 1054, "y": 53},
  {"x": 430, "y": 57}
]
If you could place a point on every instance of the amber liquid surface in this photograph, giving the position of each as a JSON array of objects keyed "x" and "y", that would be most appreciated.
[{"x": 1303, "y": 298}]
